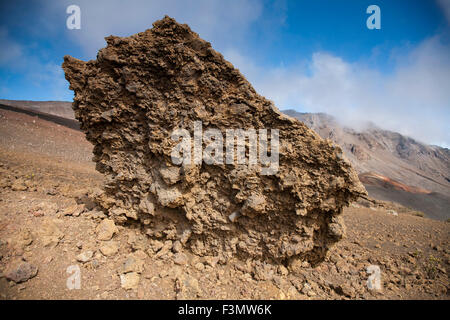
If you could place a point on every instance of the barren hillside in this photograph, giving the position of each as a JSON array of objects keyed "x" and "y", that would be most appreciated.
[
  {"x": 48, "y": 225},
  {"x": 57, "y": 108},
  {"x": 392, "y": 159}
]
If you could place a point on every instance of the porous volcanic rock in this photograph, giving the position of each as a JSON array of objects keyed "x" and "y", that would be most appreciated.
[{"x": 144, "y": 87}]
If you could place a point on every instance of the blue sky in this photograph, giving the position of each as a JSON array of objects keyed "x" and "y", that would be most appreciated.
[{"x": 312, "y": 56}]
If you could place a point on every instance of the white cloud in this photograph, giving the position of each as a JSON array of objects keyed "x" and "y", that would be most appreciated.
[
  {"x": 413, "y": 99},
  {"x": 217, "y": 21},
  {"x": 12, "y": 53}
]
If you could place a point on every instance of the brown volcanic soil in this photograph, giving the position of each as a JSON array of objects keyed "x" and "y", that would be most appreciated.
[
  {"x": 392, "y": 167},
  {"x": 58, "y": 108},
  {"x": 387, "y": 153},
  {"x": 43, "y": 167},
  {"x": 144, "y": 90}
]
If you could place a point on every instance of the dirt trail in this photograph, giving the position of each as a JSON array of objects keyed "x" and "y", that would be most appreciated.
[{"x": 44, "y": 168}]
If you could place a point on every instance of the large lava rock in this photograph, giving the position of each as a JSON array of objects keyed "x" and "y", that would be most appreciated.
[{"x": 141, "y": 89}]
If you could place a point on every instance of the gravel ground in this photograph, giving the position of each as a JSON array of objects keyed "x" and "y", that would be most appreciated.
[{"x": 50, "y": 233}]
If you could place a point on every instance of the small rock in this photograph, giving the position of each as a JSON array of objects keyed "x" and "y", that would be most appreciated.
[
  {"x": 24, "y": 239},
  {"x": 137, "y": 241},
  {"x": 52, "y": 191},
  {"x": 233, "y": 217},
  {"x": 283, "y": 270},
  {"x": 18, "y": 185},
  {"x": 170, "y": 175},
  {"x": 211, "y": 261},
  {"x": 133, "y": 264},
  {"x": 280, "y": 282},
  {"x": 45, "y": 208},
  {"x": 141, "y": 293},
  {"x": 48, "y": 260},
  {"x": 345, "y": 290},
  {"x": 392, "y": 212},
  {"x": 147, "y": 206},
  {"x": 95, "y": 215},
  {"x": 156, "y": 245},
  {"x": 140, "y": 254},
  {"x": 50, "y": 234},
  {"x": 74, "y": 210},
  {"x": 200, "y": 266},
  {"x": 165, "y": 249},
  {"x": 292, "y": 292},
  {"x": 94, "y": 264}
]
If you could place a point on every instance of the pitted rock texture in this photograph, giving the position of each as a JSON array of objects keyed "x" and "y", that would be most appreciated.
[{"x": 142, "y": 88}]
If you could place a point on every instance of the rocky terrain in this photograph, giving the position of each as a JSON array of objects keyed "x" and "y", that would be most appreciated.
[
  {"x": 46, "y": 232},
  {"x": 387, "y": 153},
  {"x": 391, "y": 159}
]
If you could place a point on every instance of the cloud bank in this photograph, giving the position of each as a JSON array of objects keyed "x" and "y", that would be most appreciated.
[{"x": 445, "y": 6}]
